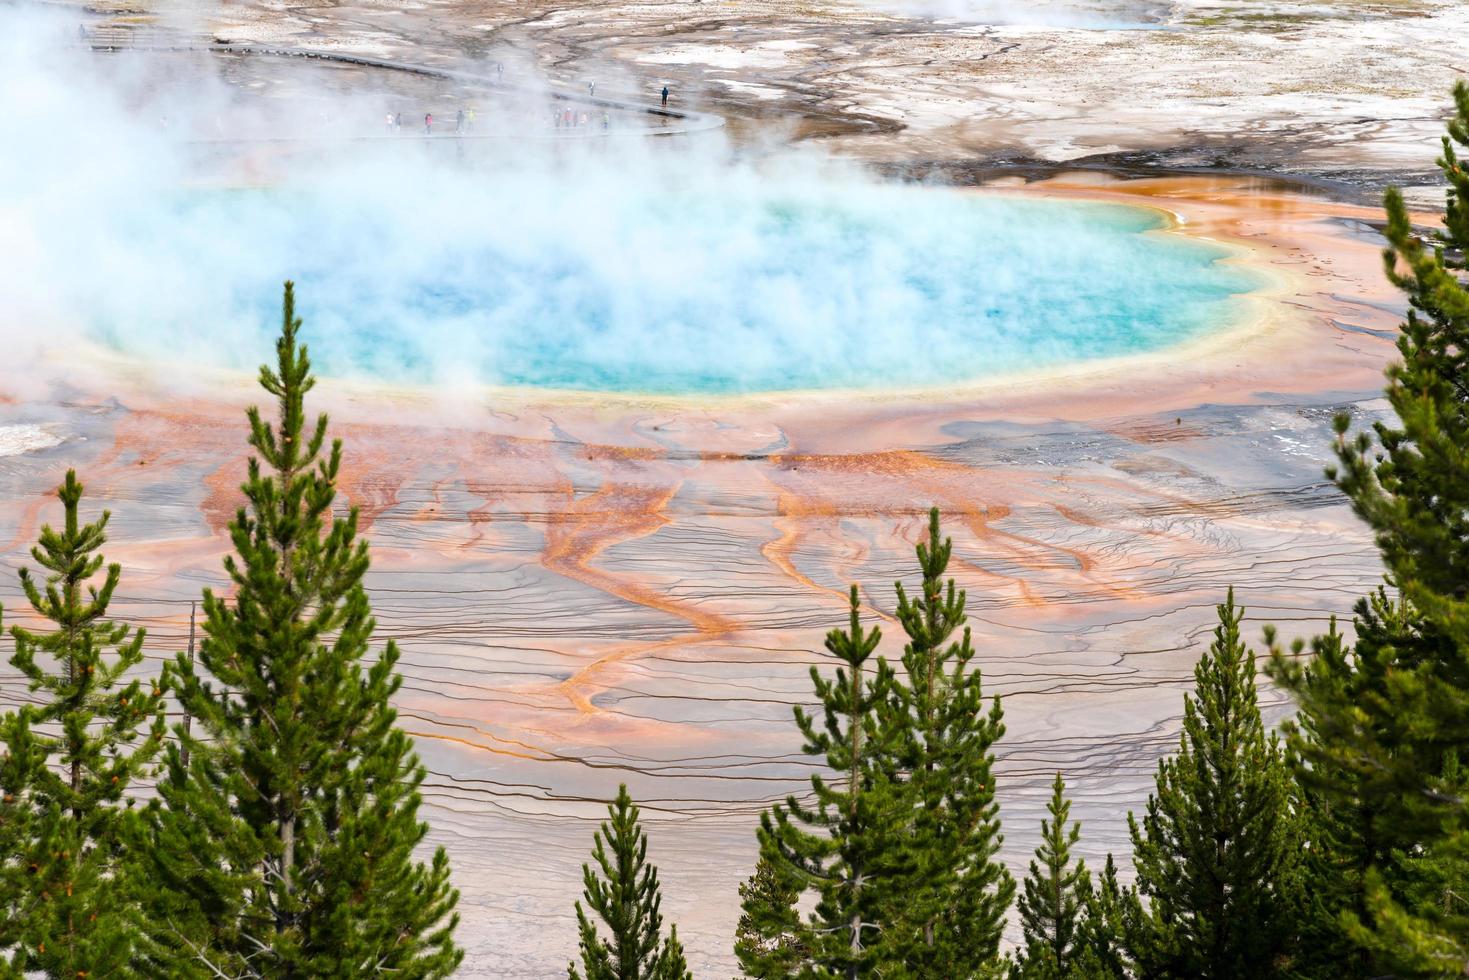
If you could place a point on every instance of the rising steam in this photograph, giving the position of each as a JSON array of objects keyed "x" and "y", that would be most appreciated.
[{"x": 150, "y": 208}]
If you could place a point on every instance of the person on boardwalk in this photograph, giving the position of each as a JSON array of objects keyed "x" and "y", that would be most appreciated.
[
  {"x": 398, "y": 122},
  {"x": 459, "y": 121},
  {"x": 500, "y": 72},
  {"x": 665, "y": 96},
  {"x": 591, "y": 90},
  {"x": 428, "y": 123},
  {"x": 471, "y": 119}
]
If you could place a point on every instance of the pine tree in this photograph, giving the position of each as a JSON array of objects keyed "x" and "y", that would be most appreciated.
[
  {"x": 22, "y": 754},
  {"x": 74, "y": 913},
  {"x": 1416, "y": 919},
  {"x": 951, "y": 910},
  {"x": 767, "y": 939},
  {"x": 626, "y": 898},
  {"x": 1112, "y": 912},
  {"x": 846, "y": 845},
  {"x": 1054, "y": 899},
  {"x": 284, "y": 842},
  {"x": 1217, "y": 850},
  {"x": 1354, "y": 815},
  {"x": 1382, "y": 723},
  {"x": 675, "y": 966}
]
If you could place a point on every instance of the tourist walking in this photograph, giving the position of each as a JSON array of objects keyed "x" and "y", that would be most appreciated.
[
  {"x": 398, "y": 122},
  {"x": 665, "y": 96},
  {"x": 500, "y": 72},
  {"x": 591, "y": 90},
  {"x": 459, "y": 121},
  {"x": 428, "y": 123}
]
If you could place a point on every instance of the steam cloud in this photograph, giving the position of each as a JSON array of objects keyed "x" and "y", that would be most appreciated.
[{"x": 148, "y": 206}]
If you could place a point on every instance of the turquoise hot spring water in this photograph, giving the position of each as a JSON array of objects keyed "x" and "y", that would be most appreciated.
[{"x": 653, "y": 287}]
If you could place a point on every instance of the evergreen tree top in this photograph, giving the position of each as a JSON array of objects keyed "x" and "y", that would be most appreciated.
[
  {"x": 954, "y": 901},
  {"x": 111, "y": 729},
  {"x": 289, "y": 819},
  {"x": 846, "y": 699},
  {"x": 64, "y": 891},
  {"x": 69, "y": 556},
  {"x": 844, "y": 844},
  {"x": 930, "y": 620},
  {"x": 1412, "y": 491},
  {"x": 1218, "y": 848},
  {"x": 1054, "y": 896},
  {"x": 290, "y": 380},
  {"x": 900, "y": 838},
  {"x": 623, "y": 891},
  {"x": 768, "y": 940}
]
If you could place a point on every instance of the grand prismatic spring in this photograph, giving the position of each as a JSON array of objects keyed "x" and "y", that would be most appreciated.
[
  {"x": 630, "y": 399},
  {"x": 761, "y": 288}
]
